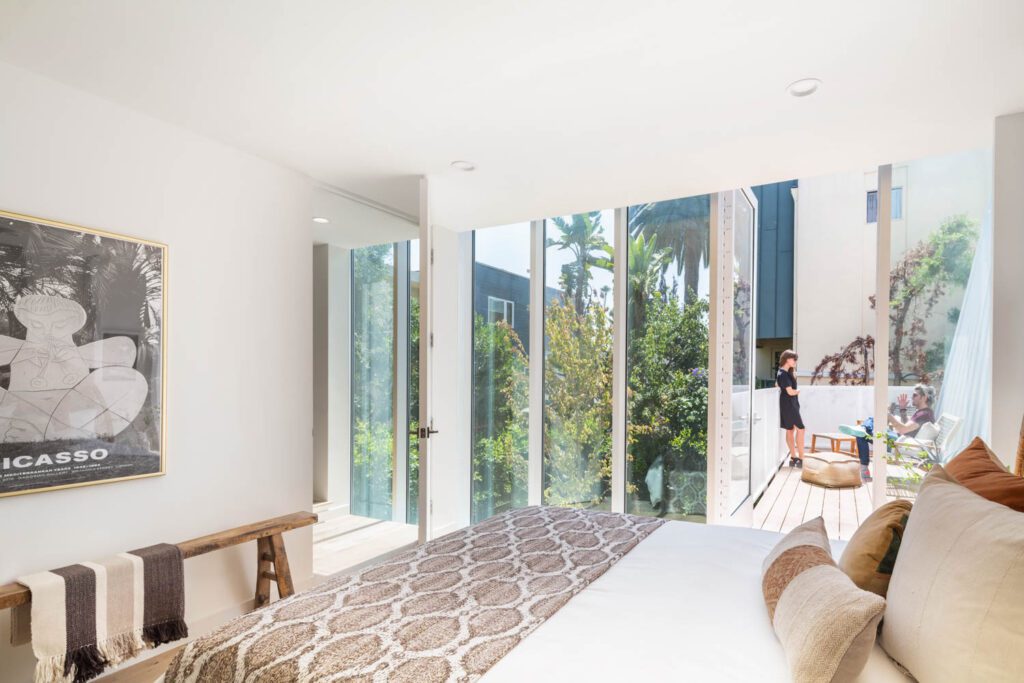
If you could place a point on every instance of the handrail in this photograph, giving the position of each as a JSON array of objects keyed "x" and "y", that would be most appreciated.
[{"x": 14, "y": 594}]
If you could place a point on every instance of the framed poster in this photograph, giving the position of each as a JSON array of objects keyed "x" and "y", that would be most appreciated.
[{"x": 82, "y": 338}]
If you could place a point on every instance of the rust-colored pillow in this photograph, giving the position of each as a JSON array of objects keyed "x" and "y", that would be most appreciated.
[
  {"x": 871, "y": 554},
  {"x": 978, "y": 469}
]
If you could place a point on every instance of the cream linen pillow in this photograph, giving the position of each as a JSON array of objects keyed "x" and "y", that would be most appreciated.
[
  {"x": 956, "y": 599},
  {"x": 825, "y": 623}
]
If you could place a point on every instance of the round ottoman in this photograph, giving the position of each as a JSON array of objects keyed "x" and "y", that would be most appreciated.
[{"x": 831, "y": 470}]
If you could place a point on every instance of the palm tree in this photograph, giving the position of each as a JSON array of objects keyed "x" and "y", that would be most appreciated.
[
  {"x": 683, "y": 226},
  {"x": 581, "y": 235},
  {"x": 645, "y": 264}
]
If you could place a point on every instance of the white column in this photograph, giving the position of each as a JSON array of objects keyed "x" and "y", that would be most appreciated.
[
  {"x": 400, "y": 406},
  {"x": 426, "y": 349},
  {"x": 620, "y": 322},
  {"x": 720, "y": 340},
  {"x": 331, "y": 377},
  {"x": 883, "y": 258},
  {"x": 535, "y": 465},
  {"x": 1008, "y": 286}
]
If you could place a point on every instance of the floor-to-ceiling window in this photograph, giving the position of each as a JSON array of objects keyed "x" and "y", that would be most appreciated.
[
  {"x": 940, "y": 308},
  {"x": 501, "y": 346},
  {"x": 667, "y": 280},
  {"x": 373, "y": 380},
  {"x": 578, "y": 360}
]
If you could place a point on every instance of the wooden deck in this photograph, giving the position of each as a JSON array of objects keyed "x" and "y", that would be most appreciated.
[{"x": 789, "y": 502}]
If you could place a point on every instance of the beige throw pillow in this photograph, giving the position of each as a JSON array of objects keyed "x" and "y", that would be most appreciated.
[
  {"x": 825, "y": 623},
  {"x": 870, "y": 555},
  {"x": 956, "y": 599}
]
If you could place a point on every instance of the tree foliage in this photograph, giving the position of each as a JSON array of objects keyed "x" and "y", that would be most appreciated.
[
  {"x": 917, "y": 283},
  {"x": 500, "y": 418}
]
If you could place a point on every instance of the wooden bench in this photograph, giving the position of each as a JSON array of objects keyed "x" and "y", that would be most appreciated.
[{"x": 271, "y": 558}]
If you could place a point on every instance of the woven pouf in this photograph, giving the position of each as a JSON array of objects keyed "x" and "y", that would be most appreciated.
[{"x": 831, "y": 470}]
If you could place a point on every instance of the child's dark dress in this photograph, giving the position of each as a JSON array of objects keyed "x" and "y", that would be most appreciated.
[{"x": 789, "y": 406}]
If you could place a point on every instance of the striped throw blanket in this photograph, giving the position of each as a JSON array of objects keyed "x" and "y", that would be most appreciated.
[{"x": 86, "y": 617}]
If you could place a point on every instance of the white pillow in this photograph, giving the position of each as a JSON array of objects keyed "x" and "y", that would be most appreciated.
[
  {"x": 955, "y": 606},
  {"x": 927, "y": 432}
]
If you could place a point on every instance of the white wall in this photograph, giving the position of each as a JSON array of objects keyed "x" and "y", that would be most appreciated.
[
  {"x": 239, "y": 391},
  {"x": 332, "y": 361},
  {"x": 1008, "y": 283}
]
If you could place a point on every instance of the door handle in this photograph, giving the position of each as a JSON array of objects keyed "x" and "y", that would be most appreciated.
[{"x": 425, "y": 432}]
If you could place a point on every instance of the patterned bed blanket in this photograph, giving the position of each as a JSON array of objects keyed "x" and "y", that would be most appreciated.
[{"x": 445, "y": 611}]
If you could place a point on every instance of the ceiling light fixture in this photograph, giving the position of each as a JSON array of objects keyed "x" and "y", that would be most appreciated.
[
  {"x": 319, "y": 219},
  {"x": 803, "y": 87},
  {"x": 466, "y": 166}
]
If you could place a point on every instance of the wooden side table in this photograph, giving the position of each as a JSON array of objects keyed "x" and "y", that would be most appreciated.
[{"x": 835, "y": 442}]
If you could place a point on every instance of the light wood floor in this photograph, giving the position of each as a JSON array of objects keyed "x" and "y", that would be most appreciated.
[
  {"x": 789, "y": 502},
  {"x": 346, "y": 543}
]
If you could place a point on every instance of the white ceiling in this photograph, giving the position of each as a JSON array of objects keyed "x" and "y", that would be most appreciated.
[{"x": 564, "y": 106}]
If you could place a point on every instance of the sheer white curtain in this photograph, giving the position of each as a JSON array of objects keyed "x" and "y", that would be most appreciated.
[{"x": 967, "y": 382}]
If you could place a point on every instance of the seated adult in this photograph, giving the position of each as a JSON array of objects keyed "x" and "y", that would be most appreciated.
[{"x": 900, "y": 424}]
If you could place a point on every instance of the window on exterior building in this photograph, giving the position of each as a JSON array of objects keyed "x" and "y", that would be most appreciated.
[
  {"x": 897, "y": 205},
  {"x": 501, "y": 310},
  {"x": 501, "y": 381}
]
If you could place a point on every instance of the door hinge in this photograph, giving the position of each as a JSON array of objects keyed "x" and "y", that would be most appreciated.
[
  {"x": 431, "y": 340},
  {"x": 431, "y": 256}
]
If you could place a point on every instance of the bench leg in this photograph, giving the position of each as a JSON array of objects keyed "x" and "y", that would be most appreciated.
[
  {"x": 285, "y": 588},
  {"x": 272, "y": 565},
  {"x": 264, "y": 562}
]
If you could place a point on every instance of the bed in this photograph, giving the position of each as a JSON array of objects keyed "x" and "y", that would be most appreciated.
[{"x": 589, "y": 595}]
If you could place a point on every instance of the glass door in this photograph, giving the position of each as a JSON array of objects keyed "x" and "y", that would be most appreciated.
[{"x": 743, "y": 276}]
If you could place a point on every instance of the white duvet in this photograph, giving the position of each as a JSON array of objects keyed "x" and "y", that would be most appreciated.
[{"x": 684, "y": 605}]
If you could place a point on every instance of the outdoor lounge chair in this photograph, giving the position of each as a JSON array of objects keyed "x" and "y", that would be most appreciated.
[{"x": 930, "y": 442}]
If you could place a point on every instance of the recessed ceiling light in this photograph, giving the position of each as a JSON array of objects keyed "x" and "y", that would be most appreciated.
[
  {"x": 464, "y": 166},
  {"x": 318, "y": 219},
  {"x": 803, "y": 87}
]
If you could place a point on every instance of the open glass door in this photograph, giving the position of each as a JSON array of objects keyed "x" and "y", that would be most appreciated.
[
  {"x": 731, "y": 356},
  {"x": 743, "y": 274}
]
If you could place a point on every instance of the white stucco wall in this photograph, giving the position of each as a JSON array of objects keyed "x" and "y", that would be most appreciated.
[
  {"x": 835, "y": 246},
  {"x": 239, "y": 346}
]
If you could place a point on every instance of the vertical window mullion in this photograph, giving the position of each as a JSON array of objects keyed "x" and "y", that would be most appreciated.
[
  {"x": 883, "y": 252},
  {"x": 619, "y": 325},
  {"x": 400, "y": 413},
  {"x": 535, "y": 466}
]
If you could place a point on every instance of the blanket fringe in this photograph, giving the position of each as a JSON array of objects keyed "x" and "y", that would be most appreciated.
[
  {"x": 158, "y": 634},
  {"x": 84, "y": 664},
  {"x": 51, "y": 670},
  {"x": 121, "y": 647}
]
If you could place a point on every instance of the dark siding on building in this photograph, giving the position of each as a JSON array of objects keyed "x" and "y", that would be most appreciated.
[
  {"x": 775, "y": 260},
  {"x": 491, "y": 281}
]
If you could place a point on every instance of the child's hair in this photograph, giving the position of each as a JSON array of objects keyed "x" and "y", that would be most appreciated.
[{"x": 784, "y": 358}]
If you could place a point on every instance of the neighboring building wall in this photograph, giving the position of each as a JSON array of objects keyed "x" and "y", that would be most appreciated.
[
  {"x": 775, "y": 260},
  {"x": 834, "y": 265},
  {"x": 776, "y": 217},
  {"x": 489, "y": 281}
]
